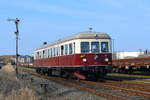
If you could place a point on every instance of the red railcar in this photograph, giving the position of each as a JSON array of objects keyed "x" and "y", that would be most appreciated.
[{"x": 83, "y": 55}]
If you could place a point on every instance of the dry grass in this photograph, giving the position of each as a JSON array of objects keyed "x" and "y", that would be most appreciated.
[
  {"x": 8, "y": 80},
  {"x": 8, "y": 68},
  {"x": 8, "y": 72},
  {"x": 22, "y": 94},
  {"x": 1, "y": 97},
  {"x": 10, "y": 86}
]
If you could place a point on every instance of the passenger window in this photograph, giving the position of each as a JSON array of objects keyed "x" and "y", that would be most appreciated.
[
  {"x": 46, "y": 53},
  {"x": 95, "y": 47},
  {"x": 62, "y": 50},
  {"x": 43, "y": 53},
  {"x": 104, "y": 46},
  {"x": 74, "y": 47},
  {"x": 84, "y": 47},
  {"x": 37, "y": 55},
  {"x": 51, "y": 52},
  {"x": 54, "y": 52},
  {"x": 70, "y": 48},
  {"x": 66, "y": 49},
  {"x": 57, "y": 51}
]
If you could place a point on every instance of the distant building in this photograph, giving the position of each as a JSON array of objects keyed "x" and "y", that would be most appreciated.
[
  {"x": 124, "y": 55},
  {"x": 7, "y": 59},
  {"x": 25, "y": 59},
  {"x": 22, "y": 59}
]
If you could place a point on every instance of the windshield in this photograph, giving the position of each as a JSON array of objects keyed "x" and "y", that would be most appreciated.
[
  {"x": 104, "y": 46},
  {"x": 95, "y": 47},
  {"x": 84, "y": 47}
]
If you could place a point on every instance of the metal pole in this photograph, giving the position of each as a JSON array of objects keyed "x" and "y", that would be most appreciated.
[
  {"x": 17, "y": 37},
  {"x": 17, "y": 54}
]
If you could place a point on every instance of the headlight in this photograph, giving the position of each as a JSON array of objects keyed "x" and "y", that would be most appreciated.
[
  {"x": 106, "y": 59},
  {"x": 126, "y": 67},
  {"x": 96, "y": 57},
  {"x": 84, "y": 59}
]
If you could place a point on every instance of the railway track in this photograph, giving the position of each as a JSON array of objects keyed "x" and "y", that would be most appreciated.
[
  {"x": 78, "y": 85},
  {"x": 111, "y": 92},
  {"x": 119, "y": 88},
  {"x": 133, "y": 86}
]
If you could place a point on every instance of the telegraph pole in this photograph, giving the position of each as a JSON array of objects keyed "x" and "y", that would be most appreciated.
[{"x": 16, "y": 21}]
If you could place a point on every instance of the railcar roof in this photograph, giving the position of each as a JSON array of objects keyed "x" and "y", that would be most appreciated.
[{"x": 80, "y": 35}]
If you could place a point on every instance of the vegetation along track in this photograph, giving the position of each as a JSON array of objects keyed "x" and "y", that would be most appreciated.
[{"x": 101, "y": 89}]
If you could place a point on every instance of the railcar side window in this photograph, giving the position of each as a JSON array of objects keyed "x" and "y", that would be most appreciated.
[
  {"x": 46, "y": 53},
  {"x": 40, "y": 54},
  {"x": 66, "y": 49},
  {"x": 43, "y": 53},
  {"x": 95, "y": 47},
  {"x": 51, "y": 52},
  {"x": 70, "y": 48},
  {"x": 37, "y": 55},
  {"x": 85, "y": 47},
  {"x": 57, "y": 51},
  {"x": 62, "y": 50},
  {"x": 54, "y": 52},
  {"x": 74, "y": 47},
  {"x": 104, "y": 46}
]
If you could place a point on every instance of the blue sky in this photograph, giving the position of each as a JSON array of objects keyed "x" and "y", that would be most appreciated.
[{"x": 127, "y": 22}]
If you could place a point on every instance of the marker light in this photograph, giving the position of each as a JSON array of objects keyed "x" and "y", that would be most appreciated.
[{"x": 82, "y": 56}]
